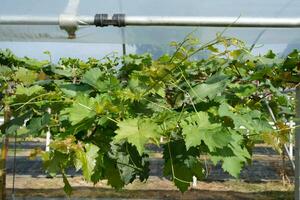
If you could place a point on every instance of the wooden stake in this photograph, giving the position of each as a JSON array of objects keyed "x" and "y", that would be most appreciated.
[{"x": 4, "y": 151}]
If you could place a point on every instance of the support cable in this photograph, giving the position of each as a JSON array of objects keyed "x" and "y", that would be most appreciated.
[
  {"x": 275, "y": 122},
  {"x": 123, "y": 31},
  {"x": 279, "y": 12}
]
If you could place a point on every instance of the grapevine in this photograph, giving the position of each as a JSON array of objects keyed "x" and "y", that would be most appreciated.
[{"x": 104, "y": 112}]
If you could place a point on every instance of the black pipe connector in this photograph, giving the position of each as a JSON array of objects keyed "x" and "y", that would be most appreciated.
[
  {"x": 119, "y": 20},
  {"x": 116, "y": 20},
  {"x": 101, "y": 20}
]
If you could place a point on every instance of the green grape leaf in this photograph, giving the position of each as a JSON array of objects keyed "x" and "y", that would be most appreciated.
[
  {"x": 73, "y": 90},
  {"x": 98, "y": 169},
  {"x": 29, "y": 91},
  {"x": 237, "y": 146},
  {"x": 10, "y": 127},
  {"x": 5, "y": 73},
  {"x": 182, "y": 176},
  {"x": 25, "y": 76},
  {"x": 232, "y": 165},
  {"x": 34, "y": 64},
  {"x": 244, "y": 90},
  {"x": 137, "y": 132},
  {"x": 250, "y": 120},
  {"x": 233, "y": 156},
  {"x": 197, "y": 128},
  {"x": 54, "y": 161},
  {"x": 87, "y": 160},
  {"x": 181, "y": 164},
  {"x": 99, "y": 80},
  {"x": 93, "y": 78},
  {"x": 37, "y": 124},
  {"x": 112, "y": 173},
  {"x": 62, "y": 70},
  {"x": 211, "y": 88},
  {"x": 131, "y": 163},
  {"x": 83, "y": 108}
]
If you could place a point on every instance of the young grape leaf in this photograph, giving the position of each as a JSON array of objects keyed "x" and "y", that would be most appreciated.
[{"x": 87, "y": 160}]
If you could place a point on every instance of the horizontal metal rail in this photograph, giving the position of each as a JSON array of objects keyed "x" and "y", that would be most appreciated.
[
  {"x": 163, "y": 21},
  {"x": 37, "y": 20},
  {"x": 70, "y": 23},
  {"x": 212, "y": 21}
]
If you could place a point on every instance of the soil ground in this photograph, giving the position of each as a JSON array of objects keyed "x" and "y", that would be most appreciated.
[
  {"x": 261, "y": 180},
  {"x": 154, "y": 188}
]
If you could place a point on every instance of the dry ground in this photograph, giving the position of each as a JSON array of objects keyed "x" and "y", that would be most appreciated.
[{"x": 155, "y": 188}]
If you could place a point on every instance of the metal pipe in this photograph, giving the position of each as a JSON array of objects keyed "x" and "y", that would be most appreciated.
[
  {"x": 212, "y": 21},
  {"x": 37, "y": 20},
  {"x": 163, "y": 21},
  {"x": 28, "y": 20}
]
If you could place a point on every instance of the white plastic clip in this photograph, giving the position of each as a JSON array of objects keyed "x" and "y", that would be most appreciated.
[
  {"x": 68, "y": 20},
  {"x": 68, "y": 23}
]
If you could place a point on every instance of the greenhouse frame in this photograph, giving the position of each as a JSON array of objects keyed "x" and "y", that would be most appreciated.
[{"x": 148, "y": 26}]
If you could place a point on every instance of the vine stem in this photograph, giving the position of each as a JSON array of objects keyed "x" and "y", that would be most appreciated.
[
  {"x": 126, "y": 145},
  {"x": 210, "y": 43},
  {"x": 111, "y": 119},
  {"x": 172, "y": 166},
  {"x": 133, "y": 167},
  {"x": 275, "y": 122},
  {"x": 86, "y": 107},
  {"x": 36, "y": 102},
  {"x": 30, "y": 100},
  {"x": 285, "y": 129},
  {"x": 186, "y": 38},
  {"x": 157, "y": 104}
]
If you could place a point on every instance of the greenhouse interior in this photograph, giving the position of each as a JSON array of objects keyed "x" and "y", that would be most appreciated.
[{"x": 149, "y": 99}]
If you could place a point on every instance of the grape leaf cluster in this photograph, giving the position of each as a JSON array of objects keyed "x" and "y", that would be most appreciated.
[{"x": 103, "y": 113}]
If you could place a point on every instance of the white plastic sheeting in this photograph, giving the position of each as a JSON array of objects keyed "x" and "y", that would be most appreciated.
[{"x": 149, "y": 35}]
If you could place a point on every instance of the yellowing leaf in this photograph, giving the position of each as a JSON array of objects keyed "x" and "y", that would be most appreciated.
[
  {"x": 87, "y": 160},
  {"x": 25, "y": 76},
  {"x": 213, "y": 49}
]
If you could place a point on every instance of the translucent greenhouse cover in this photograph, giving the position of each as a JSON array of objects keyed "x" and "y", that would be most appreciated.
[
  {"x": 91, "y": 41},
  {"x": 148, "y": 35}
]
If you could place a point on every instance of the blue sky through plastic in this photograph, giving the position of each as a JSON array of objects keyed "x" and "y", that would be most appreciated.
[{"x": 97, "y": 42}]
